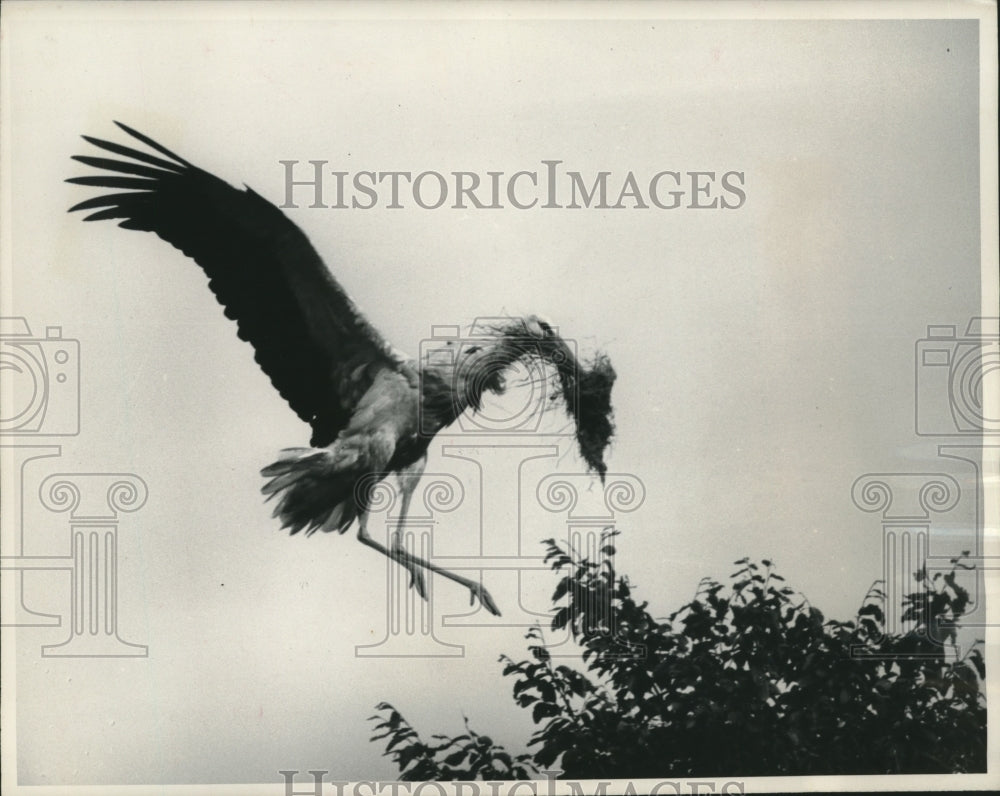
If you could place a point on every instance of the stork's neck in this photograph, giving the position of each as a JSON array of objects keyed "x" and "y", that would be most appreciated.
[{"x": 456, "y": 373}]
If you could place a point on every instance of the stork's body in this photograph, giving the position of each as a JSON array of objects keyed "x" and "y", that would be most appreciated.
[{"x": 373, "y": 411}]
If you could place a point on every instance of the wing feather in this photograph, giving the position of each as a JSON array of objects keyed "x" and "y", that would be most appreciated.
[
  {"x": 135, "y": 154},
  {"x": 320, "y": 353},
  {"x": 115, "y": 182},
  {"x": 122, "y": 166}
]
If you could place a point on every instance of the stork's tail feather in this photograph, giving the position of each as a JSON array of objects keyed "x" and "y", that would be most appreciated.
[{"x": 310, "y": 494}]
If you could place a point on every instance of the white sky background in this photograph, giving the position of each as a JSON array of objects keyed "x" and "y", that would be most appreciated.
[{"x": 765, "y": 355}]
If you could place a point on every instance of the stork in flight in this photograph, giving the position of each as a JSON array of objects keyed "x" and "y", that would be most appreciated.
[{"x": 373, "y": 411}]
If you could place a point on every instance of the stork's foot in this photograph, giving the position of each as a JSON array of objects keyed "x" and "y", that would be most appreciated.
[
  {"x": 417, "y": 581},
  {"x": 477, "y": 591},
  {"x": 416, "y": 573}
]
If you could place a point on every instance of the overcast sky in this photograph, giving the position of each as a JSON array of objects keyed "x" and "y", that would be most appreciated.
[{"x": 765, "y": 354}]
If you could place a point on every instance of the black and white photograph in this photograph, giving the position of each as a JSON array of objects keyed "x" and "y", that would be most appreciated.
[{"x": 499, "y": 398}]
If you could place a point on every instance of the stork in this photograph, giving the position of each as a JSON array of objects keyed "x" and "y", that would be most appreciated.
[{"x": 373, "y": 410}]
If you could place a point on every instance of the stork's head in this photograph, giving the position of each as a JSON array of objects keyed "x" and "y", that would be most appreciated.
[
  {"x": 539, "y": 327},
  {"x": 545, "y": 339}
]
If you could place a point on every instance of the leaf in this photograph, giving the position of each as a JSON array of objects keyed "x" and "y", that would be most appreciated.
[
  {"x": 560, "y": 562},
  {"x": 543, "y": 710},
  {"x": 545, "y": 757},
  {"x": 540, "y": 653},
  {"x": 400, "y": 738},
  {"x": 977, "y": 660}
]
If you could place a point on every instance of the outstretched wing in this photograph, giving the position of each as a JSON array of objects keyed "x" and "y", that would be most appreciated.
[{"x": 309, "y": 337}]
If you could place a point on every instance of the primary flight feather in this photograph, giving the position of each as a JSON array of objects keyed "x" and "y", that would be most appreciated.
[{"x": 373, "y": 411}]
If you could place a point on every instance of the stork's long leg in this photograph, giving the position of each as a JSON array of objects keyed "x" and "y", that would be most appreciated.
[
  {"x": 408, "y": 479},
  {"x": 408, "y": 559}
]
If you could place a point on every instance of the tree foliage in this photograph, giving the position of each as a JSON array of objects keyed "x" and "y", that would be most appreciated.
[
  {"x": 747, "y": 678},
  {"x": 467, "y": 756}
]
